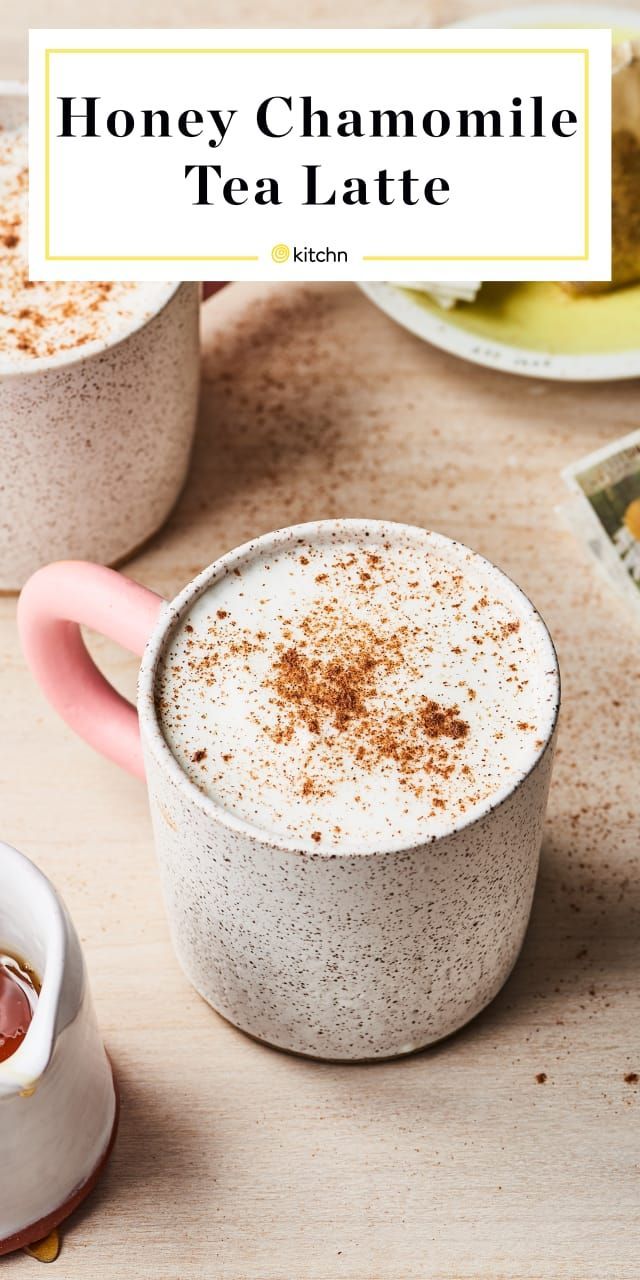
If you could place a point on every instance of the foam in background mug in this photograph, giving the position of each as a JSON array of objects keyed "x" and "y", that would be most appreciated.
[
  {"x": 98, "y": 396},
  {"x": 347, "y": 733}
]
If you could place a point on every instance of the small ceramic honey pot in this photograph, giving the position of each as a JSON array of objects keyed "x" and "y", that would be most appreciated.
[{"x": 58, "y": 1104}]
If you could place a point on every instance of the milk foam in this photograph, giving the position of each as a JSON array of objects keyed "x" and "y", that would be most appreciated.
[
  {"x": 355, "y": 691},
  {"x": 47, "y": 319}
]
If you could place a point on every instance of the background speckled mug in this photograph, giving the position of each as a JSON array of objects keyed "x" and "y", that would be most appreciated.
[
  {"x": 352, "y": 951},
  {"x": 95, "y": 431}
]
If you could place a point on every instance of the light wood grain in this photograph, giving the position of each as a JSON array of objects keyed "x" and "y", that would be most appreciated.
[{"x": 239, "y": 1163}]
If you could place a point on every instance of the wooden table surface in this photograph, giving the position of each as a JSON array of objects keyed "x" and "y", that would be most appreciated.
[{"x": 235, "y": 1162}]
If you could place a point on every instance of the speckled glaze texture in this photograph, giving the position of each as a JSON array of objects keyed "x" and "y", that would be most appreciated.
[
  {"x": 95, "y": 451},
  {"x": 340, "y": 955},
  {"x": 348, "y": 956}
]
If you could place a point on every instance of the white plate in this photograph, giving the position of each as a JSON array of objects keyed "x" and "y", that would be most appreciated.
[{"x": 440, "y": 328}]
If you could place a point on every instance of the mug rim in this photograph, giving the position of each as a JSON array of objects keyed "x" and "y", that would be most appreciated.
[
  {"x": 78, "y": 355},
  {"x": 174, "y": 610}
]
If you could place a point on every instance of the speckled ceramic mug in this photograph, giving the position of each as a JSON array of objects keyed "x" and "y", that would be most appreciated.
[
  {"x": 338, "y": 955},
  {"x": 95, "y": 447}
]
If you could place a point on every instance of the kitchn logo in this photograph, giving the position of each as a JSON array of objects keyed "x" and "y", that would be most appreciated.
[{"x": 305, "y": 253}]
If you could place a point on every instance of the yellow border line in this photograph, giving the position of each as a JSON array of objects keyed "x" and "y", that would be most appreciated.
[
  {"x": 218, "y": 49},
  {"x": 47, "y": 159},
  {"x": 151, "y": 258},
  {"x": 544, "y": 257},
  {"x": 586, "y": 151},
  {"x": 49, "y": 257}
]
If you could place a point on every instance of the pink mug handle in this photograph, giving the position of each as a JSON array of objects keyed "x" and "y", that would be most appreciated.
[{"x": 54, "y": 603}]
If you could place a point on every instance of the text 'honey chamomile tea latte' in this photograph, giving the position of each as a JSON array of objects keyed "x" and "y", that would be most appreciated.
[{"x": 359, "y": 688}]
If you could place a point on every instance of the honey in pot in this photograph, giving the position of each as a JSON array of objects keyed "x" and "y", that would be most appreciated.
[{"x": 18, "y": 998}]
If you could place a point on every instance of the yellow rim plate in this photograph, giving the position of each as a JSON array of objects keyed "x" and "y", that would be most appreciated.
[
  {"x": 530, "y": 329},
  {"x": 533, "y": 329}
]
